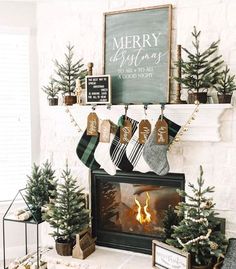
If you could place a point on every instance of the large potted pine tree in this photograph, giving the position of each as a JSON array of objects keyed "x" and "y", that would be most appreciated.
[
  {"x": 67, "y": 214},
  {"x": 67, "y": 74},
  {"x": 200, "y": 70},
  {"x": 197, "y": 232}
]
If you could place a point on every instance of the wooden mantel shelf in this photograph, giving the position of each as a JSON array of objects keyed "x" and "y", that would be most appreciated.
[{"x": 205, "y": 127}]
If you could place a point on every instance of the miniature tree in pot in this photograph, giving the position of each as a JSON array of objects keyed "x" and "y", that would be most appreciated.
[
  {"x": 196, "y": 233},
  {"x": 52, "y": 91},
  {"x": 226, "y": 86},
  {"x": 68, "y": 214},
  {"x": 67, "y": 75},
  {"x": 200, "y": 70}
]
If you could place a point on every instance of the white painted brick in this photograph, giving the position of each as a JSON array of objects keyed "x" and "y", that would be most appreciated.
[
  {"x": 212, "y": 18},
  {"x": 226, "y": 131},
  {"x": 199, "y": 153},
  {"x": 232, "y": 59},
  {"x": 145, "y": 3},
  {"x": 116, "y": 5},
  {"x": 176, "y": 163},
  {"x": 185, "y": 24},
  {"x": 231, "y": 19}
]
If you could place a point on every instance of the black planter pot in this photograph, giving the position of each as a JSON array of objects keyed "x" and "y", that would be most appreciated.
[
  {"x": 197, "y": 96},
  {"x": 53, "y": 101},
  {"x": 224, "y": 98},
  {"x": 64, "y": 248}
]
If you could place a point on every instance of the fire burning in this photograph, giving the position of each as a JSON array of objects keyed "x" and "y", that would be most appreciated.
[{"x": 143, "y": 216}]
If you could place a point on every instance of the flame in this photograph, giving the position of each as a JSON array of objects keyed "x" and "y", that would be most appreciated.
[{"x": 143, "y": 216}]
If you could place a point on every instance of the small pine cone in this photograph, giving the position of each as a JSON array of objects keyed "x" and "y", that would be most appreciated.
[{"x": 213, "y": 245}]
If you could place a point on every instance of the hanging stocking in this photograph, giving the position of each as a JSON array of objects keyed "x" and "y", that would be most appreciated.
[
  {"x": 118, "y": 149},
  {"x": 102, "y": 152},
  {"x": 86, "y": 148},
  {"x": 156, "y": 155}
]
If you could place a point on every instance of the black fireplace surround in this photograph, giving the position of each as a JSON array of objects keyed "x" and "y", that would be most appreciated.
[{"x": 128, "y": 208}]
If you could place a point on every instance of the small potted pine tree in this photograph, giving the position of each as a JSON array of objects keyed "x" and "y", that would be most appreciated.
[
  {"x": 52, "y": 91},
  {"x": 196, "y": 233},
  {"x": 68, "y": 214},
  {"x": 67, "y": 74},
  {"x": 200, "y": 70},
  {"x": 225, "y": 87}
]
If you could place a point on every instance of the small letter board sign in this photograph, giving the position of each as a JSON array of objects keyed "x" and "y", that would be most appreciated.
[
  {"x": 165, "y": 256},
  {"x": 98, "y": 89}
]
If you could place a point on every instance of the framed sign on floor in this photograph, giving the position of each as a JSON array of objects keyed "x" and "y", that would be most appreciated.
[{"x": 137, "y": 54}]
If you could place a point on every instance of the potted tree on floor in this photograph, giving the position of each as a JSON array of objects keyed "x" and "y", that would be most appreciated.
[
  {"x": 67, "y": 75},
  {"x": 200, "y": 70},
  {"x": 36, "y": 192},
  {"x": 52, "y": 91},
  {"x": 68, "y": 214},
  {"x": 196, "y": 233},
  {"x": 225, "y": 87}
]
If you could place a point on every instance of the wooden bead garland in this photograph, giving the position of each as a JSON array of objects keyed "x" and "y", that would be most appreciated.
[
  {"x": 184, "y": 128},
  {"x": 73, "y": 121}
]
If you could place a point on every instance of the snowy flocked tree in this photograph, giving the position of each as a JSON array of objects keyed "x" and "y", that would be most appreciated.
[
  {"x": 49, "y": 178},
  {"x": 68, "y": 214},
  {"x": 36, "y": 191},
  {"x": 197, "y": 233}
]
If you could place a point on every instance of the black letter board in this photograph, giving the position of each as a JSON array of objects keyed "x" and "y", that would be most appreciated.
[{"x": 98, "y": 89}]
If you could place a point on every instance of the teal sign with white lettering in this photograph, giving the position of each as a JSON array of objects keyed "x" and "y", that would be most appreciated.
[{"x": 137, "y": 54}]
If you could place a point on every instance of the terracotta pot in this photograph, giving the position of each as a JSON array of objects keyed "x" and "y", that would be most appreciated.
[
  {"x": 70, "y": 100},
  {"x": 64, "y": 248},
  {"x": 197, "y": 96},
  {"x": 224, "y": 98},
  {"x": 53, "y": 101}
]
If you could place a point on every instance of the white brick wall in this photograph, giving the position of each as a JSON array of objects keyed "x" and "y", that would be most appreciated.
[{"x": 81, "y": 23}]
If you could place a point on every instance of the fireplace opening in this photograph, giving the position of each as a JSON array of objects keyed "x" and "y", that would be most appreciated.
[{"x": 128, "y": 208}]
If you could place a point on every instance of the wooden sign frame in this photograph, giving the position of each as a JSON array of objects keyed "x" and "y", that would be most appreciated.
[
  {"x": 140, "y": 33},
  {"x": 109, "y": 90},
  {"x": 171, "y": 256}
]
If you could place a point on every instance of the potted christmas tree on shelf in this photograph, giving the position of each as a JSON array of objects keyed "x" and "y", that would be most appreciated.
[
  {"x": 67, "y": 74},
  {"x": 200, "y": 71},
  {"x": 52, "y": 91},
  {"x": 225, "y": 87},
  {"x": 67, "y": 214},
  {"x": 197, "y": 232}
]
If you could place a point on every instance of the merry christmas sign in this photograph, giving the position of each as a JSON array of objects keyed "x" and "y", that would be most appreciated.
[{"x": 137, "y": 54}]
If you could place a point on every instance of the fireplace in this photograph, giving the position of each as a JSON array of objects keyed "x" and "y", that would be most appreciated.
[{"x": 128, "y": 208}]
